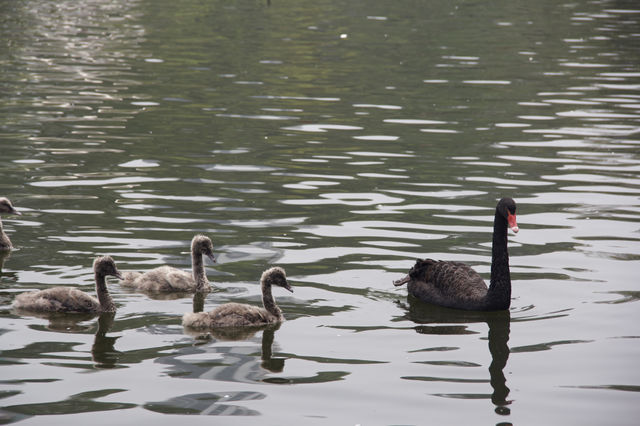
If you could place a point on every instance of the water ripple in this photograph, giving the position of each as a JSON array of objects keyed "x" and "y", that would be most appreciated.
[
  {"x": 342, "y": 142},
  {"x": 321, "y": 128},
  {"x": 98, "y": 182}
]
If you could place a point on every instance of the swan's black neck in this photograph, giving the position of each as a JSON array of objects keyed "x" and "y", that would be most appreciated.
[
  {"x": 199, "y": 274},
  {"x": 499, "y": 294},
  {"x": 267, "y": 299},
  {"x": 106, "y": 303}
]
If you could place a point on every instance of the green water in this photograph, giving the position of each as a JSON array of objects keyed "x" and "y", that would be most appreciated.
[{"x": 341, "y": 141}]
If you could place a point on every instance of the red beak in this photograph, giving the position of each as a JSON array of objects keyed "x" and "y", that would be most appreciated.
[{"x": 511, "y": 219}]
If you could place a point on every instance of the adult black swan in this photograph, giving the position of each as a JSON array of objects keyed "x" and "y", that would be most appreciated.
[{"x": 456, "y": 285}]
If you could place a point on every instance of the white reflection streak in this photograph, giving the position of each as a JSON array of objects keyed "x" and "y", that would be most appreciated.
[{"x": 98, "y": 182}]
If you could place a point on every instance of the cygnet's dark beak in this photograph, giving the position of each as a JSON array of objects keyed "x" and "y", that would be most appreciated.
[
  {"x": 14, "y": 211},
  {"x": 210, "y": 256},
  {"x": 118, "y": 275},
  {"x": 288, "y": 286}
]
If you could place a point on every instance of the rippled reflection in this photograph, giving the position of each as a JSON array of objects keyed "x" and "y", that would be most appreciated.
[
  {"x": 217, "y": 361},
  {"x": 84, "y": 402},
  {"x": 103, "y": 350},
  {"x": 209, "y": 404},
  {"x": 4, "y": 255},
  {"x": 436, "y": 320}
]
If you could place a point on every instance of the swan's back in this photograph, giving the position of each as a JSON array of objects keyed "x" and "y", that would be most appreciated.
[
  {"x": 163, "y": 278},
  {"x": 230, "y": 315},
  {"x": 57, "y": 299},
  {"x": 451, "y": 284}
]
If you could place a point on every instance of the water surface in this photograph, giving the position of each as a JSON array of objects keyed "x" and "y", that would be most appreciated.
[{"x": 341, "y": 141}]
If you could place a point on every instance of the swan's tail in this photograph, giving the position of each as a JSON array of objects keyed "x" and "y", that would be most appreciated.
[
  {"x": 417, "y": 271},
  {"x": 402, "y": 281},
  {"x": 195, "y": 320},
  {"x": 128, "y": 277}
]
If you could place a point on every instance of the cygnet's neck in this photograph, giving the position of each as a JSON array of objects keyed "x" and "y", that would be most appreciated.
[
  {"x": 5, "y": 242},
  {"x": 106, "y": 302},
  {"x": 199, "y": 275},
  {"x": 267, "y": 299}
]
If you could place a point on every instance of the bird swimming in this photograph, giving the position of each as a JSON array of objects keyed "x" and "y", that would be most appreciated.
[
  {"x": 6, "y": 207},
  {"x": 72, "y": 300},
  {"x": 169, "y": 279},
  {"x": 457, "y": 285},
  {"x": 243, "y": 315}
]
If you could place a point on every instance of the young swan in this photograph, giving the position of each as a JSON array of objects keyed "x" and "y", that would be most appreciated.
[
  {"x": 68, "y": 299},
  {"x": 166, "y": 278},
  {"x": 6, "y": 207},
  {"x": 241, "y": 315}
]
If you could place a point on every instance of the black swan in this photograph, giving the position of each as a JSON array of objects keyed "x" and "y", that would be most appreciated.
[
  {"x": 166, "y": 278},
  {"x": 242, "y": 315},
  {"x": 69, "y": 299},
  {"x": 456, "y": 285},
  {"x": 6, "y": 207}
]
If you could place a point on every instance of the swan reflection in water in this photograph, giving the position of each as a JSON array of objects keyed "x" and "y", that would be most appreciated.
[
  {"x": 103, "y": 352},
  {"x": 432, "y": 319},
  {"x": 227, "y": 363},
  {"x": 4, "y": 254},
  {"x": 103, "y": 355},
  {"x": 235, "y": 363},
  {"x": 234, "y": 334},
  {"x": 229, "y": 354}
]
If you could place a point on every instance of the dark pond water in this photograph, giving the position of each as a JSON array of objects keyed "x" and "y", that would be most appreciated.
[{"x": 340, "y": 140}]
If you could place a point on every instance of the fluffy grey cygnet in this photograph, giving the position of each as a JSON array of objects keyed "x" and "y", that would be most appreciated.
[
  {"x": 242, "y": 315},
  {"x": 6, "y": 207},
  {"x": 456, "y": 285},
  {"x": 69, "y": 299},
  {"x": 166, "y": 278}
]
